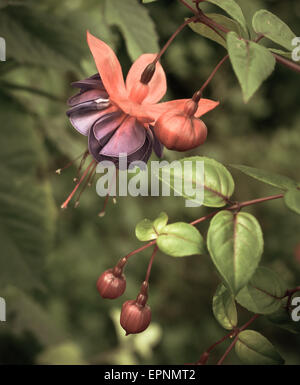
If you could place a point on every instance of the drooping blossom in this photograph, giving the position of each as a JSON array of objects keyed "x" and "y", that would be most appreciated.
[{"x": 118, "y": 116}]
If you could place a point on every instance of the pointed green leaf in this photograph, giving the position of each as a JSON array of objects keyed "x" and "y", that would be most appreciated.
[
  {"x": 268, "y": 177},
  {"x": 224, "y": 308},
  {"x": 254, "y": 349},
  {"x": 135, "y": 24},
  {"x": 292, "y": 200},
  {"x": 209, "y": 33},
  {"x": 264, "y": 292},
  {"x": 273, "y": 28},
  {"x": 235, "y": 244},
  {"x": 180, "y": 239},
  {"x": 218, "y": 183},
  {"x": 252, "y": 63},
  {"x": 233, "y": 9},
  {"x": 147, "y": 230}
]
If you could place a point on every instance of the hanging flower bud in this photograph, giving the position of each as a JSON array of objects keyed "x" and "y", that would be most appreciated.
[
  {"x": 181, "y": 130},
  {"x": 136, "y": 314},
  {"x": 111, "y": 284}
]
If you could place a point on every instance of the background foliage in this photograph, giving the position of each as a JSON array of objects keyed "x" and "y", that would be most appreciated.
[{"x": 51, "y": 259}]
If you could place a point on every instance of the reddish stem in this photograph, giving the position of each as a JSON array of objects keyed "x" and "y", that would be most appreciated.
[
  {"x": 202, "y": 219},
  {"x": 140, "y": 249},
  {"x": 213, "y": 73},
  {"x": 228, "y": 350},
  {"x": 178, "y": 30},
  {"x": 189, "y": 7},
  {"x": 211, "y": 348},
  {"x": 211, "y": 23},
  {"x": 255, "y": 201},
  {"x": 238, "y": 206},
  {"x": 287, "y": 63},
  {"x": 150, "y": 264}
]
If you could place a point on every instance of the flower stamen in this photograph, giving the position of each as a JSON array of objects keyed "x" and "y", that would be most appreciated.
[
  {"x": 113, "y": 179},
  {"x": 69, "y": 164},
  {"x": 82, "y": 162},
  {"x": 66, "y": 202},
  {"x": 86, "y": 183}
]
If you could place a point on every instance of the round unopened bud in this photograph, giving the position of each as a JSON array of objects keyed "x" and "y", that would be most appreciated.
[
  {"x": 135, "y": 318},
  {"x": 111, "y": 284},
  {"x": 180, "y": 132}
]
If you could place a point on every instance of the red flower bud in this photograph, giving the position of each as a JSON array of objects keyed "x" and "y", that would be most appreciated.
[
  {"x": 181, "y": 131},
  {"x": 111, "y": 284},
  {"x": 135, "y": 317}
]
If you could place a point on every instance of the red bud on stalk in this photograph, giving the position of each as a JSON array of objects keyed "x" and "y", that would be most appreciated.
[
  {"x": 136, "y": 314},
  {"x": 112, "y": 283},
  {"x": 181, "y": 130}
]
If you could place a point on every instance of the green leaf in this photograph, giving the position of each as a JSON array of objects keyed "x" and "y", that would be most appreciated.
[
  {"x": 264, "y": 292},
  {"x": 218, "y": 183},
  {"x": 254, "y": 349},
  {"x": 235, "y": 243},
  {"x": 35, "y": 37},
  {"x": 135, "y": 24},
  {"x": 160, "y": 222},
  {"x": 180, "y": 239},
  {"x": 233, "y": 9},
  {"x": 148, "y": 1},
  {"x": 283, "y": 319},
  {"x": 224, "y": 308},
  {"x": 209, "y": 33},
  {"x": 252, "y": 63},
  {"x": 292, "y": 200},
  {"x": 146, "y": 230},
  {"x": 27, "y": 211},
  {"x": 268, "y": 24},
  {"x": 273, "y": 179}
]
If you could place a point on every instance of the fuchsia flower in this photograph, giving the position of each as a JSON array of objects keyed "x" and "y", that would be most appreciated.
[{"x": 118, "y": 117}]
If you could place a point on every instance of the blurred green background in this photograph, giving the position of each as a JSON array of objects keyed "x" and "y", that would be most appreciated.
[{"x": 50, "y": 259}]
